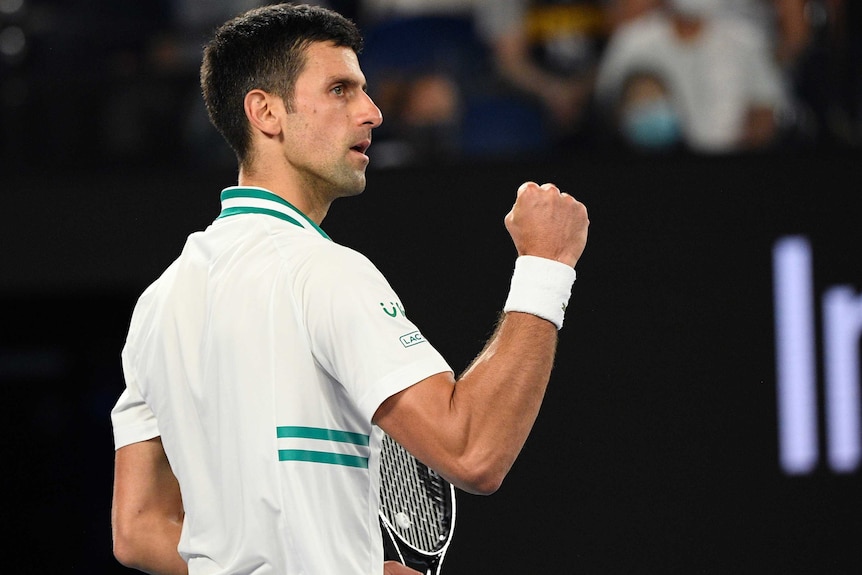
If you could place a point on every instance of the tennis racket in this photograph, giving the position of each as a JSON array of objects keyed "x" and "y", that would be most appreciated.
[{"x": 417, "y": 510}]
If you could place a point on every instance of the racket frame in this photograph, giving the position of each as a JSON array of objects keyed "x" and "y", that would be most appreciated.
[{"x": 408, "y": 554}]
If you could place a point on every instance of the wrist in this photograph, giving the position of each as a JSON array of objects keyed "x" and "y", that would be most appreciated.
[{"x": 541, "y": 287}]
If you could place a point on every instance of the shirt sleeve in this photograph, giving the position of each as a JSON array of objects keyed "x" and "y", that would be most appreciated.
[
  {"x": 359, "y": 330},
  {"x": 132, "y": 419}
]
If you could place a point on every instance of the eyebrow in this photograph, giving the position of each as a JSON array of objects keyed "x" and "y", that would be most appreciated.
[{"x": 351, "y": 82}]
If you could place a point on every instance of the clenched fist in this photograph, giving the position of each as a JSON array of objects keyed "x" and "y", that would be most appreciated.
[{"x": 548, "y": 223}]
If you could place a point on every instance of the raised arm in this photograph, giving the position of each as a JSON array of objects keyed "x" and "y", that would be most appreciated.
[
  {"x": 147, "y": 510},
  {"x": 471, "y": 430}
]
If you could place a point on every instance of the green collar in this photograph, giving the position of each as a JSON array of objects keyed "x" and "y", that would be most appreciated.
[{"x": 247, "y": 200}]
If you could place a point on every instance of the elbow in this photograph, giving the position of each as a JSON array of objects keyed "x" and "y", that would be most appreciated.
[
  {"x": 481, "y": 479},
  {"x": 124, "y": 552},
  {"x": 484, "y": 487},
  {"x": 125, "y": 548}
]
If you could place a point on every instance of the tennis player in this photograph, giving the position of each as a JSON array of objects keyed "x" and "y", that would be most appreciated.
[{"x": 261, "y": 366}]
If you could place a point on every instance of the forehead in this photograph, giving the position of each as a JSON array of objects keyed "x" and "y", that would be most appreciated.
[{"x": 324, "y": 62}]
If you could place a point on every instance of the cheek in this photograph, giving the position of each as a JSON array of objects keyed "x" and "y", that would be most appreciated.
[
  {"x": 311, "y": 145},
  {"x": 315, "y": 134},
  {"x": 303, "y": 133}
]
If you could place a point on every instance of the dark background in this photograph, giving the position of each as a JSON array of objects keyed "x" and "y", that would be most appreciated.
[{"x": 656, "y": 450}]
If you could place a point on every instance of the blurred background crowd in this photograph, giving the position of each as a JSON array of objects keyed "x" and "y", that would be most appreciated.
[{"x": 88, "y": 83}]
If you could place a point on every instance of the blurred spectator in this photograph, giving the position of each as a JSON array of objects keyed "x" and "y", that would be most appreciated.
[
  {"x": 722, "y": 76},
  {"x": 470, "y": 78},
  {"x": 791, "y": 30},
  {"x": 454, "y": 78},
  {"x": 619, "y": 12},
  {"x": 549, "y": 51},
  {"x": 546, "y": 54},
  {"x": 422, "y": 60},
  {"x": 816, "y": 44},
  {"x": 646, "y": 119},
  {"x": 789, "y": 35}
]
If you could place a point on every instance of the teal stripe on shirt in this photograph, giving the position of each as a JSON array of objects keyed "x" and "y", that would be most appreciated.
[
  {"x": 240, "y": 192},
  {"x": 322, "y": 457},
  {"x": 227, "y": 212},
  {"x": 322, "y": 433}
]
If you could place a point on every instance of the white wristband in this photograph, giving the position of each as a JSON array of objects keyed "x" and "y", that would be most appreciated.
[{"x": 541, "y": 287}]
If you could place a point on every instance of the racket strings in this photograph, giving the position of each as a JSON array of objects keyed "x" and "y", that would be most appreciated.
[{"x": 414, "y": 499}]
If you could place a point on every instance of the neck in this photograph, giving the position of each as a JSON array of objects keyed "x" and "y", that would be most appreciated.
[{"x": 312, "y": 204}]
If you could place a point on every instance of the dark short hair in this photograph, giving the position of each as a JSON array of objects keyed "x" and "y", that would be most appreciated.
[{"x": 264, "y": 48}]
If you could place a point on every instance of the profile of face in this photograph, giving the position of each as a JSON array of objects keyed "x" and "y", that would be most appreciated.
[
  {"x": 328, "y": 129},
  {"x": 647, "y": 119}
]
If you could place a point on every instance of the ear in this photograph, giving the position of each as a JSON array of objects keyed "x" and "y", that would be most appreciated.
[{"x": 264, "y": 111}]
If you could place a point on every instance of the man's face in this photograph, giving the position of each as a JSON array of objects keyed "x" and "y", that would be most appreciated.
[{"x": 329, "y": 126}]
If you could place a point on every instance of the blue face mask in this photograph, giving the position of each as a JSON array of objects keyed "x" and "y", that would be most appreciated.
[{"x": 651, "y": 126}]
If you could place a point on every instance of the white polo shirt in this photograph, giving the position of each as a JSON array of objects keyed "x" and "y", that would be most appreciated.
[{"x": 259, "y": 357}]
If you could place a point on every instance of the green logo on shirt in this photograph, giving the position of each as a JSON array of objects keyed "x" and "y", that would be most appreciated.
[
  {"x": 411, "y": 338},
  {"x": 393, "y": 309}
]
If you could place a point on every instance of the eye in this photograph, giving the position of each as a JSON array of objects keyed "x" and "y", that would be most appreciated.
[{"x": 338, "y": 90}]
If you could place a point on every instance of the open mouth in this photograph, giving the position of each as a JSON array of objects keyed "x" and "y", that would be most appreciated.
[{"x": 362, "y": 146}]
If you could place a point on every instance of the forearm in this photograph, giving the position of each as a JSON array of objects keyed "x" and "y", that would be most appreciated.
[
  {"x": 147, "y": 512},
  {"x": 497, "y": 399}
]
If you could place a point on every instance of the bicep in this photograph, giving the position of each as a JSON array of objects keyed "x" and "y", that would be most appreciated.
[{"x": 415, "y": 418}]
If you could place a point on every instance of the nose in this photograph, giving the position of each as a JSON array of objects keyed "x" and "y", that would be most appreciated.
[{"x": 371, "y": 114}]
